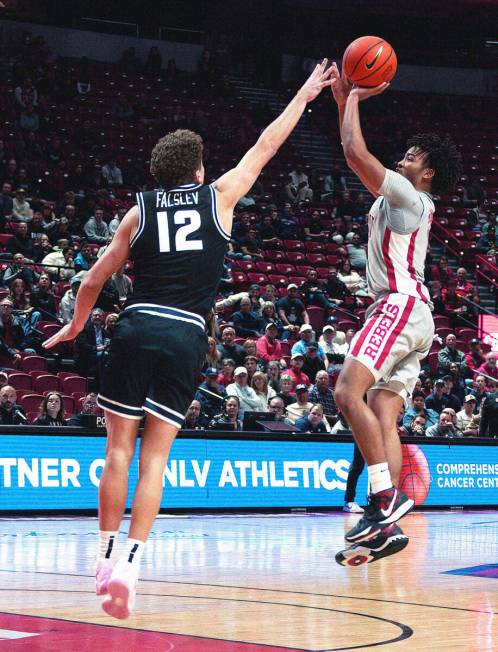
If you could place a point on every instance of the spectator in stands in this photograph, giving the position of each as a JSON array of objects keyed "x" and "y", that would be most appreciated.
[
  {"x": 305, "y": 337},
  {"x": 453, "y": 402},
  {"x": 314, "y": 422},
  {"x": 439, "y": 399},
  {"x": 51, "y": 411},
  {"x": 83, "y": 259},
  {"x": 269, "y": 295},
  {"x": 488, "y": 426},
  {"x": 21, "y": 209},
  {"x": 10, "y": 174},
  {"x": 454, "y": 305},
  {"x": 313, "y": 291},
  {"x": 314, "y": 229},
  {"x": 442, "y": 272},
  {"x": 112, "y": 174},
  {"x": 268, "y": 347},
  {"x": 268, "y": 233},
  {"x": 29, "y": 317},
  {"x": 43, "y": 300},
  {"x": 96, "y": 230},
  {"x": 295, "y": 371},
  {"x": 357, "y": 253},
  {"x": 465, "y": 418},
  {"x": 299, "y": 192},
  {"x": 6, "y": 203},
  {"x": 333, "y": 352},
  {"x": 450, "y": 354},
  {"x": 463, "y": 287},
  {"x": 63, "y": 261},
  {"x": 210, "y": 393},
  {"x": 488, "y": 242},
  {"x": 108, "y": 299},
  {"x": 479, "y": 392},
  {"x": 475, "y": 357},
  {"x": 116, "y": 220},
  {"x": 42, "y": 248},
  {"x": 312, "y": 362},
  {"x": 88, "y": 406},
  {"x": 229, "y": 417},
  {"x": 444, "y": 428},
  {"x": 35, "y": 227},
  {"x": 246, "y": 395},
  {"x": 418, "y": 408},
  {"x": 154, "y": 62},
  {"x": 66, "y": 307},
  {"x": 256, "y": 301},
  {"x": 335, "y": 289},
  {"x": 251, "y": 363},
  {"x": 352, "y": 280},
  {"x": 269, "y": 316},
  {"x": 26, "y": 94},
  {"x": 194, "y": 419},
  {"x": 334, "y": 182},
  {"x": 276, "y": 406},
  {"x": 459, "y": 386},
  {"x": 301, "y": 407},
  {"x": 60, "y": 227},
  {"x": 286, "y": 392},
  {"x": 259, "y": 383},
  {"x": 19, "y": 270},
  {"x": 250, "y": 246},
  {"x": 213, "y": 357},
  {"x": 246, "y": 322},
  {"x": 91, "y": 345},
  {"x": 273, "y": 372},
  {"x": 225, "y": 378},
  {"x": 11, "y": 414},
  {"x": 12, "y": 335},
  {"x": 489, "y": 368},
  {"x": 416, "y": 427},
  {"x": 21, "y": 242},
  {"x": 321, "y": 393}
]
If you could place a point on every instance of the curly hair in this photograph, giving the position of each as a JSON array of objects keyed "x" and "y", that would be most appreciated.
[
  {"x": 176, "y": 157},
  {"x": 443, "y": 156}
]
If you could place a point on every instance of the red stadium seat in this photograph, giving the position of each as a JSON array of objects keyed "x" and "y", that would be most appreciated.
[
  {"x": 31, "y": 402},
  {"x": 278, "y": 279},
  {"x": 265, "y": 268},
  {"x": 239, "y": 278},
  {"x": 316, "y": 315},
  {"x": 19, "y": 380},
  {"x": 314, "y": 247},
  {"x": 73, "y": 384},
  {"x": 441, "y": 320},
  {"x": 46, "y": 383},
  {"x": 50, "y": 329},
  {"x": 293, "y": 245},
  {"x": 69, "y": 404},
  {"x": 257, "y": 277},
  {"x": 295, "y": 256},
  {"x": 32, "y": 362},
  {"x": 285, "y": 268},
  {"x": 443, "y": 332},
  {"x": 433, "y": 362},
  {"x": 316, "y": 259}
]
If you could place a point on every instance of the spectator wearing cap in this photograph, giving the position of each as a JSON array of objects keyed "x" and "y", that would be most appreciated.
[
  {"x": 450, "y": 354},
  {"x": 313, "y": 291},
  {"x": 228, "y": 348},
  {"x": 489, "y": 368},
  {"x": 268, "y": 347},
  {"x": 306, "y": 335},
  {"x": 296, "y": 370},
  {"x": 312, "y": 361},
  {"x": 210, "y": 393},
  {"x": 96, "y": 230},
  {"x": 465, "y": 421},
  {"x": 21, "y": 210},
  {"x": 301, "y": 407},
  {"x": 439, "y": 399},
  {"x": 68, "y": 301},
  {"x": 291, "y": 309},
  {"x": 334, "y": 354},
  {"x": 314, "y": 422},
  {"x": 249, "y": 402},
  {"x": 322, "y": 394},
  {"x": 475, "y": 357},
  {"x": 418, "y": 409},
  {"x": 246, "y": 322}
]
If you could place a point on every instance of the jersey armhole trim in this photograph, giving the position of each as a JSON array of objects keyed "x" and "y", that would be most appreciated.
[
  {"x": 217, "y": 222},
  {"x": 141, "y": 218}
]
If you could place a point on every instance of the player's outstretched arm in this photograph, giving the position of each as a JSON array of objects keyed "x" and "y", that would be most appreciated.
[
  {"x": 115, "y": 255},
  {"x": 237, "y": 182}
]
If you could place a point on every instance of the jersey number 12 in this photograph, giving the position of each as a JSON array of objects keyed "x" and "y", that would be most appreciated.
[{"x": 191, "y": 221}]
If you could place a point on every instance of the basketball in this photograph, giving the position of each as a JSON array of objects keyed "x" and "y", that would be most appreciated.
[
  {"x": 415, "y": 478},
  {"x": 369, "y": 61}
]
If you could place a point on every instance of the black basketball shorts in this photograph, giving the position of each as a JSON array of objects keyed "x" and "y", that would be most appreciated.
[{"x": 154, "y": 363}]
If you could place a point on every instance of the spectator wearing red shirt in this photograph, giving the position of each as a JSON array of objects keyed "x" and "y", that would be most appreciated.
[
  {"x": 489, "y": 368},
  {"x": 267, "y": 346},
  {"x": 464, "y": 288},
  {"x": 453, "y": 303},
  {"x": 475, "y": 357},
  {"x": 295, "y": 370},
  {"x": 442, "y": 272}
]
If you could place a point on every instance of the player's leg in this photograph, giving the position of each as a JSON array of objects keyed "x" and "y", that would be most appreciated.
[{"x": 386, "y": 405}]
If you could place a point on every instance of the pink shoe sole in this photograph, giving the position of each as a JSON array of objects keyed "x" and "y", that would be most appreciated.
[
  {"x": 119, "y": 604},
  {"x": 102, "y": 578}
]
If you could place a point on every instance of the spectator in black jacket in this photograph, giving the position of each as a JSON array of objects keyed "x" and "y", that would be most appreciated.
[
  {"x": 89, "y": 406},
  {"x": 91, "y": 345},
  {"x": 19, "y": 269},
  {"x": 440, "y": 399},
  {"x": 12, "y": 337},
  {"x": 246, "y": 322},
  {"x": 51, "y": 411},
  {"x": 210, "y": 393},
  {"x": 313, "y": 291},
  {"x": 228, "y": 348},
  {"x": 336, "y": 289},
  {"x": 42, "y": 298},
  {"x": 21, "y": 242},
  {"x": 10, "y": 412}
]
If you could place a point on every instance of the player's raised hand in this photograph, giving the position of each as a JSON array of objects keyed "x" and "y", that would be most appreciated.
[
  {"x": 365, "y": 93},
  {"x": 316, "y": 82},
  {"x": 340, "y": 85},
  {"x": 67, "y": 332}
]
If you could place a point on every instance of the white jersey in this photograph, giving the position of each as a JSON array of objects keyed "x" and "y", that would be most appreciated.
[{"x": 399, "y": 224}]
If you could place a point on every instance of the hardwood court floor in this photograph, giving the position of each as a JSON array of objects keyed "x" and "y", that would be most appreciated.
[{"x": 247, "y": 583}]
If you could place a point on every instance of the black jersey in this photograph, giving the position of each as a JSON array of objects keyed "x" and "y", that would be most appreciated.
[{"x": 178, "y": 249}]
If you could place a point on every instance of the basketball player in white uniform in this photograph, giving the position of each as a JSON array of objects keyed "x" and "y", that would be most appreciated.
[{"x": 384, "y": 357}]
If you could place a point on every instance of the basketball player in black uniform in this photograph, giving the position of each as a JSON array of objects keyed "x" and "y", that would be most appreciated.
[{"x": 176, "y": 237}]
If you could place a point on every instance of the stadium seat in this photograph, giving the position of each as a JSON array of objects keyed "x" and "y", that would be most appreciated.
[
  {"x": 32, "y": 362},
  {"x": 20, "y": 380},
  {"x": 69, "y": 404},
  {"x": 433, "y": 361},
  {"x": 257, "y": 277},
  {"x": 264, "y": 267},
  {"x": 295, "y": 256},
  {"x": 31, "y": 416},
  {"x": 46, "y": 383},
  {"x": 31, "y": 402},
  {"x": 73, "y": 384},
  {"x": 316, "y": 315},
  {"x": 285, "y": 268},
  {"x": 293, "y": 245},
  {"x": 278, "y": 279}
]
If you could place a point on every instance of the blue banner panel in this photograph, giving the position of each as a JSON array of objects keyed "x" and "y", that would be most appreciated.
[{"x": 54, "y": 472}]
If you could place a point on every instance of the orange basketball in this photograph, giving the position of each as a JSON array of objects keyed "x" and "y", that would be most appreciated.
[
  {"x": 369, "y": 61},
  {"x": 415, "y": 478}
]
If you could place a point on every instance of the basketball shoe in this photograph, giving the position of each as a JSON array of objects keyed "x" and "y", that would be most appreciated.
[
  {"x": 352, "y": 508},
  {"x": 102, "y": 575},
  {"x": 383, "y": 508},
  {"x": 121, "y": 588},
  {"x": 389, "y": 541}
]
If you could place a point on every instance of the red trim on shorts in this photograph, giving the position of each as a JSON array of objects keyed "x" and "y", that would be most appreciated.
[
  {"x": 411, "y": 269},
  {"x": 391, "y": 277},
  {"x": 365, "y": 332},
  {"x": 395, "y": 332}
]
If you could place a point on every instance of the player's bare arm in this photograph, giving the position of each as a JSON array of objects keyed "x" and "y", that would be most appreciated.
[
  {"x": 114, "y": 257},
  {"x": 237, "y": 182}
]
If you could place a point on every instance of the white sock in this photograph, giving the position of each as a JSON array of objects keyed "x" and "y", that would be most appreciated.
[
  {"x": 107, "y": 544},
  {"x": 133, "y": 552},
  {"x": 379, "y": 477}
]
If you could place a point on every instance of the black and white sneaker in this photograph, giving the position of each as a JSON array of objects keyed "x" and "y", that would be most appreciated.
[
  {"x": 383, "y": 508},
  {"x": 388, "y": 542}
]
